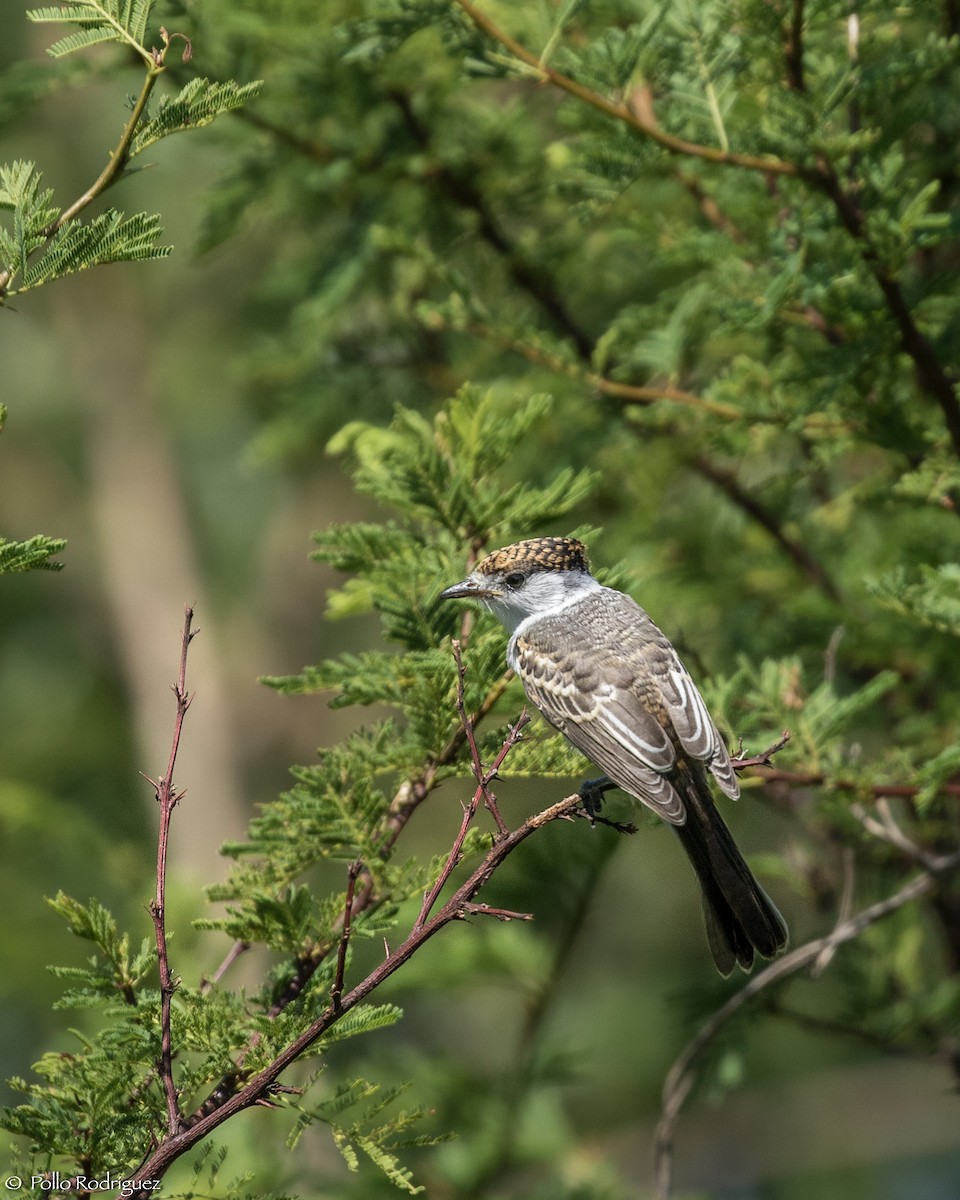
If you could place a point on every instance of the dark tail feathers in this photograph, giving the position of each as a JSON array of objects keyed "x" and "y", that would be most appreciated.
[{"x": 740, "y": 917}]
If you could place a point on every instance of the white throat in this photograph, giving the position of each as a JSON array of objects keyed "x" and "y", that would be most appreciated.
[{"x": 544, "y": 594}]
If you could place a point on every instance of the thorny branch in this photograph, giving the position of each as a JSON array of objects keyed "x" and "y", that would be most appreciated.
[
  {"x": 461, "y": 904},
  {"x": 337, "y": 990},
  {"x": 168, "y": 798},
  {"x": 764, "y": 758},
  {"x": 483, "y": 778}
]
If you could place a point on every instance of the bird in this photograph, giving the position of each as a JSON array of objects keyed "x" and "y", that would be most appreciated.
[{"x": 599, "y": 670}]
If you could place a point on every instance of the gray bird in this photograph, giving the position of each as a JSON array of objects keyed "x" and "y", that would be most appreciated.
[{"x": 600, "y": 671}]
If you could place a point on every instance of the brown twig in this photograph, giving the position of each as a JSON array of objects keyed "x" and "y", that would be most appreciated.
[
  {"x": 681, "y": 1077},
  {"x": 484, "y": 778},
  {"x": 502, "y": 914},
  {"x": 764, "y": 758},
  {"x": 621, "y": 111},
  {"x": 482, "y": 792},
  {"x": 822, "y": 779},
  {"x": 337, "y": 990},
  {"x": 168, "y": 798},
  {"x": 235, "y": 952}
]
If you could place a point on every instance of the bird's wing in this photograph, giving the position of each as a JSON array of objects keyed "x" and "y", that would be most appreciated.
[
  {"x": 688, "y": 714},
  {"x": 608, "y": 713}
]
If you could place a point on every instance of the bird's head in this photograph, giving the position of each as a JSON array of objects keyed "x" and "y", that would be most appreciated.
[{"x": 527, "y": 579}]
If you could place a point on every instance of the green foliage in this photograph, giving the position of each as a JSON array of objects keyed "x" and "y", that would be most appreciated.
[
  {"x": 196, "y": 104},
  {"x": 98, "y": 21},
  {"x": 368, "y": 1132},
  {"x": 32, "y": 555},
  {"x": 932, "y": 598},
  {"x": 64, "y": 243},
  {"x": 751, "y": 374},
  {"x": 68, "y": 247}
]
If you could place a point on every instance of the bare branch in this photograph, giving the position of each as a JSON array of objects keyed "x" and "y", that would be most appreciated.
[
  {"x": 168, "y": 798},
  {"x": 482, "y": 792},
  {"x": 822, "y": 779},
  {"x": 764, "y": 758},
  {"x": 337, "y": 990}
]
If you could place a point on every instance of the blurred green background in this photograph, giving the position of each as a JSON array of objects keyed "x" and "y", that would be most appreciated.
[{"x": 169, "y": 420}]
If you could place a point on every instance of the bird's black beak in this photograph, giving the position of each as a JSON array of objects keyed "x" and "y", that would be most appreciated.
[{"x": 469, "y": 589}]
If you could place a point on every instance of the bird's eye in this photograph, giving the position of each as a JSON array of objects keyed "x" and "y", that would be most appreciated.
[{"x": 514, "y": 580}]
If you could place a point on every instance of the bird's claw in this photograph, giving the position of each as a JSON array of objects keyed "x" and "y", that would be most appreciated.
[{"x": 591, "y": 794}]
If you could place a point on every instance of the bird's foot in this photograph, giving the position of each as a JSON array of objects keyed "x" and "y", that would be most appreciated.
[{"x": 591, "y": 794}]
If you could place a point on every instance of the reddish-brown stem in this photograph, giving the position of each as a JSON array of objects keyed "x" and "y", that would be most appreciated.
[
  {"x": 676, "y": 145},
  {"x": 483, "y": 778},
  {"x": 482, "y": 791},
  {"x": 168, "y": 798},
  {"x": 821, "y": 779},
  {"x": 764, "y": 758},
  {"x": 337, "y": 990}
]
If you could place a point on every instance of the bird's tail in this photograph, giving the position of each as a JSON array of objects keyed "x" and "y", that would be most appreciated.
[{"x": 740, "y": 917}]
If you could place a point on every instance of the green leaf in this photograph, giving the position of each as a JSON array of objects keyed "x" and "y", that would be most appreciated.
[
  {"x": 108, "y": 238},
  {"x": 32, "y": 555},
  {"x": 123, "y": 21},
  {"x": 197, "y": 104}
]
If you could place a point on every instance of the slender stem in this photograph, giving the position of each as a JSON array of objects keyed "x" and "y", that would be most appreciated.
[
  {"x": 337, "y": 990},
  {"x": 118, "y": 157},
  {"x": 675, "y": 145},
  {"x": 821, "y": 778},
  {"x": 482, "y": 792},
  {"x": 168, "y": 798},
  {"x": 630, "y": 393}
]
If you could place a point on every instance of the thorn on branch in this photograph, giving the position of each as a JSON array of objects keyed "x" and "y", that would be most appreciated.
[
  {"x": 486, "y": 910},
  {"x": 594, "y": 818},
  {"x": 764, "y": 758}
]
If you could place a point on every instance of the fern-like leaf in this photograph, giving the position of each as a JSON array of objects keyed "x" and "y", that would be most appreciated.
[
  {"x": 32, "y": 555},
  {"x": 123, "y": 21},
  {"x": 197, "y": 104},
  {"x": 109, "y": 238}
]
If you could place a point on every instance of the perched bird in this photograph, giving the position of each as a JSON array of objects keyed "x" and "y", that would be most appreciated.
[{"x": 596, "y": 666}]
